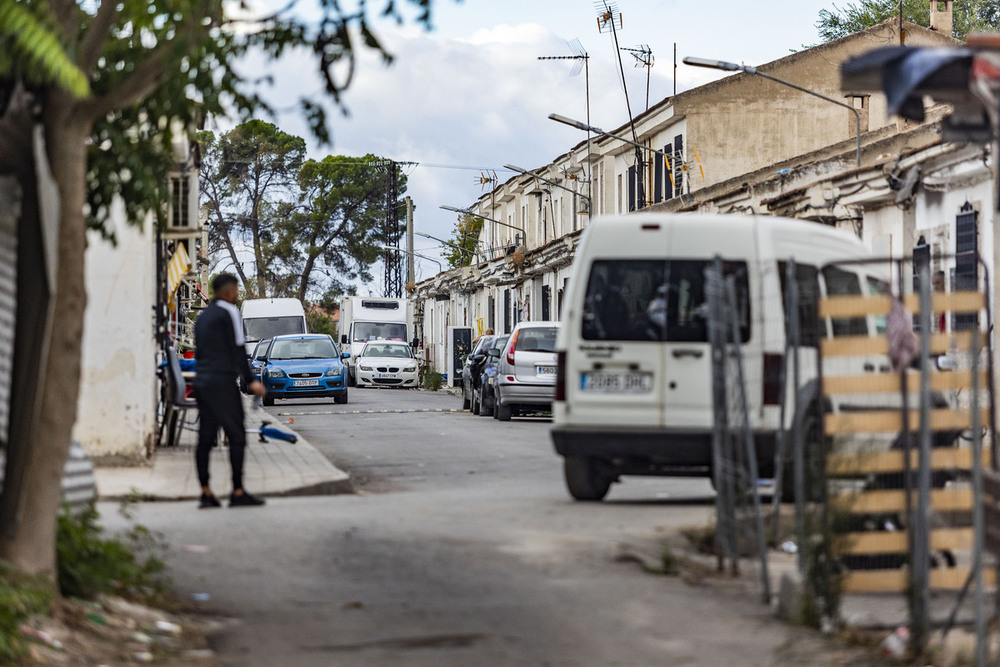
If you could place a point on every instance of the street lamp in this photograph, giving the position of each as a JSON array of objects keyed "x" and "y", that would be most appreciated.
[
  {"x": 467, "y": 211},
  {"x": 580, "y": 125},
  {"x": 448, "y": 243},
  {"x": 736, "y": 67},
  {"x": 545, "y": 180},
  {"x": 415, "y": 254}
]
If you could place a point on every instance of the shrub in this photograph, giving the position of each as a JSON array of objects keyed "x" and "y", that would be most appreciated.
[
  {"x": 20, "y": 598},
  {"x": 433, "y": 381},
  {"x": 90, "y": 564}
]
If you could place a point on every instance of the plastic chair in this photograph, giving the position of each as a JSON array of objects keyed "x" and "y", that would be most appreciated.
[{"x": 177, "y": 402}]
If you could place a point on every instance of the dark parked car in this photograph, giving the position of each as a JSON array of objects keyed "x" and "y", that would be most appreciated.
[
  {"x": 472, "y": 370},
  {"x": 257, "y": 359},
  {"x": 483, "y": 400}
]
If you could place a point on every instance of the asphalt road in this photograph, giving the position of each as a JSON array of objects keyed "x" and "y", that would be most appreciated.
[{"x": 461, "y": 547}]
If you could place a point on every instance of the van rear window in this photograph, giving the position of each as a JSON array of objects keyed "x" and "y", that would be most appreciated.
[{"x": 655, "y": 300}]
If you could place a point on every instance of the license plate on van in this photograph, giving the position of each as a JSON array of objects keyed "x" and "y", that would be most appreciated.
[
  {"x": 617, "y": 383},
  {"x": 546, "y": 370}
]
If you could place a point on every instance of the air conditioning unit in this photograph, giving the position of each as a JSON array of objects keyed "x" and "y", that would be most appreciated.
[{"x": 182, "y": 204}]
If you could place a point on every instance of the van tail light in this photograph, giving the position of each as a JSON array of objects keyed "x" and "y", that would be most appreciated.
[
  {"x": 772, "y": 379},
  {"x": 561, "y": 376},
  {"x": 511, "y": 347}
]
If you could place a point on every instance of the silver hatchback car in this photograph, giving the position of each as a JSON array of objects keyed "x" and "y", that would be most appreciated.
[{"x": 526, "y": 373}]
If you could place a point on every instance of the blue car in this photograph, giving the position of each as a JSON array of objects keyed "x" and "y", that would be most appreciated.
[{"x": 304, "y": 366}]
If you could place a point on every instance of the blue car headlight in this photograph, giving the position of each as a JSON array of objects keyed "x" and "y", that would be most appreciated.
[
  {"x": 334, "y": 372},
  {"x": 276, "y": 373}
]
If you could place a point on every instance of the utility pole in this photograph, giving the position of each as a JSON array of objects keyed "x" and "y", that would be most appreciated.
[
  {"x": 675, "y": 71},
  {"x": 410, "y": 271}
]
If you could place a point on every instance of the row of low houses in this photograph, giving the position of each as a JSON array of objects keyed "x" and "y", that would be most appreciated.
[{"x": 741, "y": 144}]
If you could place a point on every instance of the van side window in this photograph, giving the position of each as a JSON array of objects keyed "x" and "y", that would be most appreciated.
[
  {"x": 655, "y": 300},
  {"x": 806, "y": 280},
  {"x": 844, "y": 283}
]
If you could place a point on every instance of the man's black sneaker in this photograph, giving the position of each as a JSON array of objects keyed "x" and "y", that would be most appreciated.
[
  {"x": 245, "y": 500},
  {"x": 208, "y": 501}
]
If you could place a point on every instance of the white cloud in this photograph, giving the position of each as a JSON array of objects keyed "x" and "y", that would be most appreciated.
[{"x": 479, "y": 100}]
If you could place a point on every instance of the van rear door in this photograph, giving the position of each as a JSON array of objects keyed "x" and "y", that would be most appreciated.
[
  {"x": 687, "y": 357},
  {"x": 614, "y": 374}
]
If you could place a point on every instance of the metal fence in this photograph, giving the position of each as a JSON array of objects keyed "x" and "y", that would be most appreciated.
[
  {"x": 907, "y": 404},
  {"x": 735, "y": 473},
  {"x": 884, "y": 436}
]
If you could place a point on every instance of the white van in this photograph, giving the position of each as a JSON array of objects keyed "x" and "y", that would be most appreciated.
[
  {"x": 634, "y": 390},
  {"x": 266, "y": 318}
]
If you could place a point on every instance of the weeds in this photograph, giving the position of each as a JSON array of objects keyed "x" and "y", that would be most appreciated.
[
  {"x": 90, "y": 564},
  {"x": 20, "y": 598}
]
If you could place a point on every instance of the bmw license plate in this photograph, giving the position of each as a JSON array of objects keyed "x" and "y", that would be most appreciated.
[
  {"x": 307, "y": 383},
  {"x": 617, "y": 383}
]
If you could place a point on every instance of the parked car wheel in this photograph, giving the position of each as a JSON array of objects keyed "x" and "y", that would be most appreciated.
[
  {"x": 340, "y": 399},
  {"x": 504, "y": 412},
  {"x": 466, "y": 401},
  {"x": 584, "y": 479},
  {"x": 477, "y": 403},
  {"x": 268, "y": 400}
]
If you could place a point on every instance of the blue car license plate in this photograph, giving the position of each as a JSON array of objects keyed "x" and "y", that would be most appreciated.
[{"x": 307, "y": 383}]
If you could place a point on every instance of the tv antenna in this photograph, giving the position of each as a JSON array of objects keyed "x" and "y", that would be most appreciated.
[
  {"x": 609, "y": 20},
  {"x": 582, "y": 62},
  {"x": 643, "y": 58}
]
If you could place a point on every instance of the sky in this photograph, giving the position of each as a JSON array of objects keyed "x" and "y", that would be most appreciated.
[{"x": 470, "y": 95}]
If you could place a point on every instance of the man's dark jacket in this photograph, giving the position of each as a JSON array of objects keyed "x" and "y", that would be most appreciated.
[{"x": 219, "y": 356}]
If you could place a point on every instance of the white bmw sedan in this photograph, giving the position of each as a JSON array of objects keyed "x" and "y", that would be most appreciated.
[{"x": 386, "y": 364}]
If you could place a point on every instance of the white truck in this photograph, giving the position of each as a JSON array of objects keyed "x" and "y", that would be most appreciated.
[
  {"x": 264, "y": 319},
  {"x": 368, "y": 318}
]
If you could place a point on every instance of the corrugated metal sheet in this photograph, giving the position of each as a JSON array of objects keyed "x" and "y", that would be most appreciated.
[
  {"x": 78, "y": 484},
  {"x": 10, "y": 211}
]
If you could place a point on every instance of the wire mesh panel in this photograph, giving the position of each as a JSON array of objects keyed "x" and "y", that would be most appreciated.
[
  {"x": 906, "y": 383},
  {"x": 734, "y": 453}
]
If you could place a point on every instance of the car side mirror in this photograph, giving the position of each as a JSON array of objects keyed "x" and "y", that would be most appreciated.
[
  {"x": 493, "y": 352},
  {"x": 343, "y": 339},
  {"x": 478, "y": 358},
  {"x": 345, "y": 355}
]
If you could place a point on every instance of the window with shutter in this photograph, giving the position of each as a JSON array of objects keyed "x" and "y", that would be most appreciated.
[
  {"x": 966, "y": 261},
  {"x": 657, "y": 179},
  {"x": 679, "y": 165},
  {"x": 631, "y": 188},
  {"x": 669, "y": 188}
]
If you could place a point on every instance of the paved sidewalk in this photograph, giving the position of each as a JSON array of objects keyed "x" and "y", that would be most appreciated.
[{"x": 274, "y": 468}]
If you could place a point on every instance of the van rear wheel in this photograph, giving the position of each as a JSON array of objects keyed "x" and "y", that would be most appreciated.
[
  {"x": 585, "y": 480},
  {"x": 504, "y": 412}
]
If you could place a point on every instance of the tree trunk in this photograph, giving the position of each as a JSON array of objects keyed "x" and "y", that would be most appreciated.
[{"x": 31, "y": 547}]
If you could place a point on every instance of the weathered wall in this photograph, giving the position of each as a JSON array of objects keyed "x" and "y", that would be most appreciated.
[
  {"x": 117, "y": 408},
  {"x": 744, "y": 122}
]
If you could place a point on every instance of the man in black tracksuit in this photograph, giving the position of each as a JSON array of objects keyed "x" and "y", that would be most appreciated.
[{"x": 222, "y": 359}]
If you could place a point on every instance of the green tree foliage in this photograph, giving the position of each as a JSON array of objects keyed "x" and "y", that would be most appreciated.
[
  {"x": 970, "y": 16},
  {"x": 320, "y": 322},
  {"x": 333, "y": 233},
  {"x": 246, "y": 174},
  {"x": 30, "y": 49},
  {"x": 464, "y": 241},
  {"x": 154, "y": 67}
]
